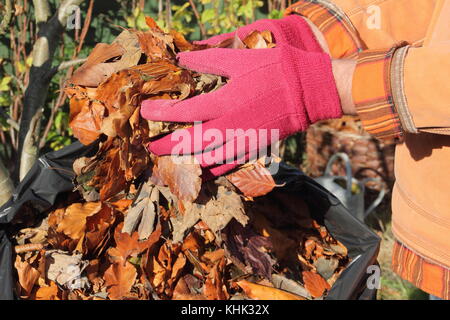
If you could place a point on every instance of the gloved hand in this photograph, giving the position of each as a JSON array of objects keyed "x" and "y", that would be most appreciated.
[
  {"x": 275, "y": 92},
  {"x": 291, "y": 30}
]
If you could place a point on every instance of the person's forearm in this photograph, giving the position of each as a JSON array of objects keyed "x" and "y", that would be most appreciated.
[
  {"x": 343, "y": 75},
  {"x": 342, "y": 70}
]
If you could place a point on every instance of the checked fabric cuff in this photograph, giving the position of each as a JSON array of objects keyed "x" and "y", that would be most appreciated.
[{"x": 373, "y": 94}]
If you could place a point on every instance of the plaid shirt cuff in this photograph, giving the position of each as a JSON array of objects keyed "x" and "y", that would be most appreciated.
[
  {"x": 373, "y": 95},
  {"x": 334, "y": 24},
  {"x": 423, "y": 273}
]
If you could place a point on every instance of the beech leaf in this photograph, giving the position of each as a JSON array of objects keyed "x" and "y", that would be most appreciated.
[
  {"x": 314, "y": 283},
  {"x": 119, "y": 279},
  {"x": 261, "y": 292},
  {"x": 73, "y": 223},
  {"x": 253, "y": 182},
  {"x": 142, "y": 212},
  {"x": 181, "y": 174}
]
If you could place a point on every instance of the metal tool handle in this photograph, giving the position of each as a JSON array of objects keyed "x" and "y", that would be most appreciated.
[{"x": 348, "y": 170}]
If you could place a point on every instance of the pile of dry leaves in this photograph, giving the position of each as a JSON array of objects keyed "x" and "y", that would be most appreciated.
[{"x": 138, "y": 226}]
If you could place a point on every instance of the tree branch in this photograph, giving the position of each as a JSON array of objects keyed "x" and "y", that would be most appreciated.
[
  {"x": 41, "y": 11},
  {"x": 65, "y": 65},
  {"x": 6, "y": 17},
  {"x": 6, "y": 185},
  {"x": 40, "y": 74},
  {"x": 199, "y": 21},
  {"x": 30, "y": 149}
]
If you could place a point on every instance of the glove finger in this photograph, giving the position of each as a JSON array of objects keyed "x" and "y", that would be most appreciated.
[
  {"x": 246, "y": 124},
  {"x": 200, "y": 108},
  {"x": 213, "y": 172},
  {"x": 223, "y": 61}
]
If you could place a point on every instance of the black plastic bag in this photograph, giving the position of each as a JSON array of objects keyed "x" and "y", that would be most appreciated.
[{"x": 51, "y": 176}]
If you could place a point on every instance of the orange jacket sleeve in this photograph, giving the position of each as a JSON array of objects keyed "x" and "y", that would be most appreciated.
[{"x": 402, "y": 55}]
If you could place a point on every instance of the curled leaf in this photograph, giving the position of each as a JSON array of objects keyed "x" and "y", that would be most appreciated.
[{"x": 261, "y": 292}]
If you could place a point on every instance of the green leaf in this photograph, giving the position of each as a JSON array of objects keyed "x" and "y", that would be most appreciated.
[
  {"x": 275, "y": 14},
  {"x": 140, "y": 22},
  {"x": 4, "y": 83},
  {"x": 208, "y": 15},
  {"x": 5, "y": 100},
  {"x": 247, "y": 10}
]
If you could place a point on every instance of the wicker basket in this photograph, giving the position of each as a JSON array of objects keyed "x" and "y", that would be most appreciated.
[{"x": 369, "y": 157}]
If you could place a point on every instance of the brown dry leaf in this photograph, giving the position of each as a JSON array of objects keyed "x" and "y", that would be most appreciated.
[
  {"x": 267, "y": 35},
  {"x": 114, "y": 177},
  {"x": 180, "y": 42},
  {"x": 181, "y": 174},
  {"x": 177, "y": 269},
  {"x": 151, "y": 23},
  {"x": 116, "y": 124},
  {"x": 122, "y": 205},
  {"x": 119, "y": 279},
  {"x": 164, "y": 269},
  {"x": 339, "y": 248},
  {"x": 95, "y": 70},
  {"x": 182, "y": 222},
  {"x": 66, "y": 269},
  {"x": 247, "y": 247},
  {"x": 213, "y": 256},
  {"x": 283, "y": 246},
  {"x": 73, "y": 223},
  {"x": 255, "y": 181},
  {"x": 215, "y": 288},
  {"x": 219, "y": 210},
  {"x": 129, "y": 245},
  {"x": 28, "y": 276},
  {"x": 255, "y": 40},
  {"x": 129, "y": 41},
  {"x": 315, "y": 284},
  {"x": 112, "y": 92},
  {"x": 152, "y": 45},
  {"x": 193, "y": 242},
  {"x": 142, "y": 213},
  {"x": 283, "y": 283},
  {"x": 260, "y": 292},
  {"x": 98, "y": 230},
  {"x": 85, "y": 119},
  {"x": 326, "y": 267},
  {"x": 50, "y": 292}
]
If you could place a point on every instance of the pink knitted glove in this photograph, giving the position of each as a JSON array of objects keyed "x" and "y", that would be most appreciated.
[
  {"x": 274, "y": 92},
  {"x": 291, "y": 30}
]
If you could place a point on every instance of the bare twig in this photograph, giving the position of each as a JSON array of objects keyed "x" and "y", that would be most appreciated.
[
  {"x": 197, "y": 16},
  {"x": 160, "y": 10},
  {"x": 85, "y": 29},
  {"x": 168, "y": 14},
  {"x": 71, "y": 63},
  {"x": 29, "y": 247},
  {"x": 142, "y": 4}
]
